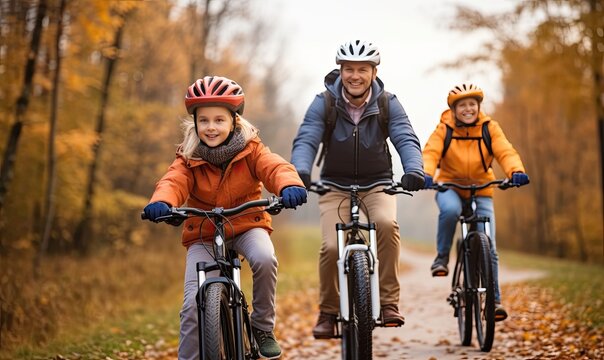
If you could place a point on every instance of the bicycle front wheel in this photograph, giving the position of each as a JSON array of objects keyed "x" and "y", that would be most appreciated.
[
  {"x": 484, "y": 297},
  {"x": 219, "y": 341},
  {"x": 358, "y": 338},
  {"x": 461, "y": 299}
]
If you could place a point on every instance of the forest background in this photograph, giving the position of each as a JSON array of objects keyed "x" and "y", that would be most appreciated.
[{"x": 91, "y": 95}]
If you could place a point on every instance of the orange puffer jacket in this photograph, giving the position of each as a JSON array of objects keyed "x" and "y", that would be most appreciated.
[
  {"x": 202, "y": 185},
  {"x": 462, "y": 162}
]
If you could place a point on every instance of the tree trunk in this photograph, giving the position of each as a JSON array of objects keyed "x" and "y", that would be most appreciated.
[
  {"x": 83, "y": 228},
  {"x": 49, "y": 201},
  {"x": 597, "y": 56},
  {"x": 10, "y": 152}
]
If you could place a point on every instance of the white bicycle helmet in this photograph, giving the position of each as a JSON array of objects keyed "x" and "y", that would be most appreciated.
[{"x": 358, "y": 50}]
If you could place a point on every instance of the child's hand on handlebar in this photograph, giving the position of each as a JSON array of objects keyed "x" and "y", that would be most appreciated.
[
  {"x": 520, "y": 178},
  {"x": 156, "y": 209},
  {"x": 428, "y": 181},
  {"x": 293, "y": 196}
]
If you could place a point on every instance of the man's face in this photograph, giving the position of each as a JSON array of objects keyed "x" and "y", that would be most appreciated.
[{"x": 357, "y": 77}]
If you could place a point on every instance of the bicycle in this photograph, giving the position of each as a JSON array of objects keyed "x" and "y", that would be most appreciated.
[
  {"x": 358, "y": 271},
  {"x": 472, "y": 286},
  {"x": 225, "y": 331}
]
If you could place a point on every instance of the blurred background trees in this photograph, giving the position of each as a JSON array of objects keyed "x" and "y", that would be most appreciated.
[
  {"x": 96, "y": 90},
  {"x": 551, "y": 110},
  {"x": 125, "y": 67}
]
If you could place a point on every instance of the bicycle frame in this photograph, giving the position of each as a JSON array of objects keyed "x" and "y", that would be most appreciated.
[
  {"x": 227, "y": 262},
  {"x": 474, "y": 247},
  {"x": 230, "y": 275},
  {"x": 345, "y": 248}
]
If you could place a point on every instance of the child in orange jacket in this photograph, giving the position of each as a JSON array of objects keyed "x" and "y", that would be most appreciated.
[
  {"x": 467, "y": 161},
  {"x": 222, "y": 163}
]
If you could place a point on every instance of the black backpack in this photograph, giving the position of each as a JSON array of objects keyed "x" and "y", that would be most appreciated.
[
  {"x": 486, "y": 137},
  {"x": 331, "y": 115}
]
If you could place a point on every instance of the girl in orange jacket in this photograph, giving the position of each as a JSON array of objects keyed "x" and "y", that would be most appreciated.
[
  {"x": 467, "y": 161},
  {"x": 223, "y": 163}
]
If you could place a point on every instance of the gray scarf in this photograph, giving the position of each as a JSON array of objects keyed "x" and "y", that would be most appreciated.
[{"x": 222, "y": 154}]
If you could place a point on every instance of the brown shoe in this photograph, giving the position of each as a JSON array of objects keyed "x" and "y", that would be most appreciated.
[
  {"x": 325, "y": 327},
  {"x": 500, "y": 313},
  {"x": 391, "y": 317}
]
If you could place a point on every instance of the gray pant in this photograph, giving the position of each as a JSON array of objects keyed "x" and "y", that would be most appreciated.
[{"x": 256, "y": 246}]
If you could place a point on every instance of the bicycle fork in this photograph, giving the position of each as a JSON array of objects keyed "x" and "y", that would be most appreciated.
[
  {"x": 236, "y": 300},
  {"x": 343, "y": 268}
]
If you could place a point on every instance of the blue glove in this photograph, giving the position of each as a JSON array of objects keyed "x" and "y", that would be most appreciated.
[
  {"x": 293, "y": 196},
  {"x": 156, "y": 209},
  {"x": 428, "y": 181},
  {"x": 520, "y": 178}
]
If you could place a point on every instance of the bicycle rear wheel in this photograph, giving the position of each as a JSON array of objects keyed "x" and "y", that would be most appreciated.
[
  {"x": 219, "y": 341},
  {"x": 461, "y": 300},
  {"x": 484, "y": 297}
]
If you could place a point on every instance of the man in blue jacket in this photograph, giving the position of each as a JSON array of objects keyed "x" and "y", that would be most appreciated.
[{"x": 357, "y": 153}]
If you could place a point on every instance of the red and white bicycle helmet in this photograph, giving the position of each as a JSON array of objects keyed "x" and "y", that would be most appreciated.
[
  {"x": 463, "y": 91},
  {"x": 215, "y": 91},
  {"x": 358, "y": 50}
]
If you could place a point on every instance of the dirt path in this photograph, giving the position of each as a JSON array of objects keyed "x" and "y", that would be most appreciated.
[{"x": 430, "y": 331}]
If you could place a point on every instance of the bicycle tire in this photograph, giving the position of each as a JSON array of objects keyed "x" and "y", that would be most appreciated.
[
  {"x": 463, "y": 302},
  {"x": 219, "y": 340},
  {"x": 361, "y": 295},
  {"x": 484, "y": 297}
]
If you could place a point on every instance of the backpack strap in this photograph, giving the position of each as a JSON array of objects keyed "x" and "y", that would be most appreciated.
[
  {"x": 330, "y": 123},
  {"x": 486, "y": 138},
  {"x": 448, "y": 137},
  {"x": 384, "y": 118}
]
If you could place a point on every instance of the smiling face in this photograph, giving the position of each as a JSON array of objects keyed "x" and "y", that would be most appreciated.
[
  {"x": 466, "y": 110},
  {"x": 356, "y": 79},
  {"x": 214, "y": 124}
]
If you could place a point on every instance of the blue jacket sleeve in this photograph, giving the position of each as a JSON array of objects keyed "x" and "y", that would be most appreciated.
[
  {"x": 404, "y": 139},
  {"x": 310, "y": 134}
]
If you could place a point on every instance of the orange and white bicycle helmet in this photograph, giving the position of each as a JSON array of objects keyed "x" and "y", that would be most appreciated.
[
  {"x": 358, "y": 50},
  {"x": 463, "y": 91},
  {"x": 215, "y": 91}
]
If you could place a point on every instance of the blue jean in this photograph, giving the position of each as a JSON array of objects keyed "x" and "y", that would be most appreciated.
[{"x": 450, "y": 206}]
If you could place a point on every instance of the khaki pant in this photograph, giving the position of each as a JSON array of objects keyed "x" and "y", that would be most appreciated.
[{"x": 335, "y": 207}]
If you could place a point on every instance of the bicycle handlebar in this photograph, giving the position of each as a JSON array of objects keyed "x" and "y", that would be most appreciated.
[
  {"x": 502, "y": 184},
  {"x": 273, "y": 206},
  {"x": 322, "y": 187}
]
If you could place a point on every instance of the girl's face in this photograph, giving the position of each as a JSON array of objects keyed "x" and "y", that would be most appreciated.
[
  {"x": 466, "y": 110},
  {"x": 214, "y": 124}
]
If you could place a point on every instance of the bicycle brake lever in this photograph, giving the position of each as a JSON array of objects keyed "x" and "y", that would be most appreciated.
[
  {"x": 275, "y": 206},
  {"x": 319, "y": 188},
  {"x": 506, "y": 184}
]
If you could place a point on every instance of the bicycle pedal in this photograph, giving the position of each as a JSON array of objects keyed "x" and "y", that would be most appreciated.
[{"x": 394, "y": 325}]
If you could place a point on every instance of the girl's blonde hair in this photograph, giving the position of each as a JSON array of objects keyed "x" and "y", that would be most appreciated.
[{"x": 191, "y": 139}]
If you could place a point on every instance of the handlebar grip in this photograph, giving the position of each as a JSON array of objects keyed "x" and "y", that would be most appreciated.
[{"x": 143, "y": 216}]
